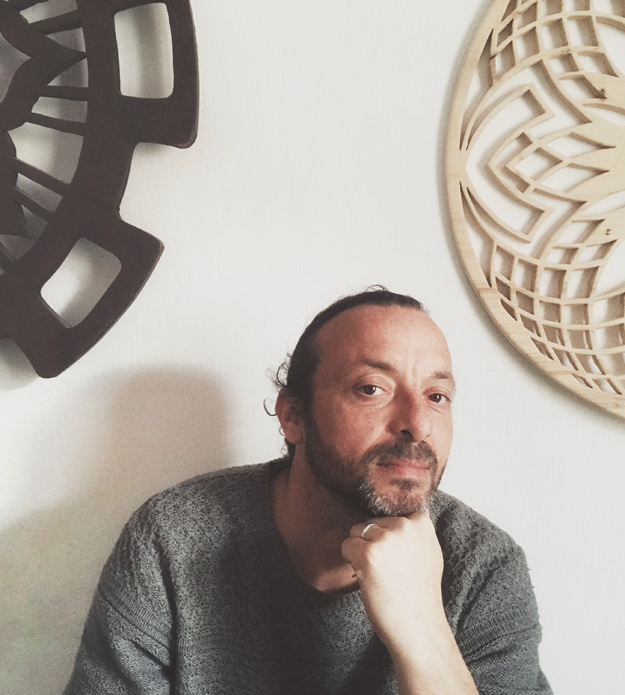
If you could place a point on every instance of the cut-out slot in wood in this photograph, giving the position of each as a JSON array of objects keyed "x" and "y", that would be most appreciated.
[
  {"x": 144, "y": 46},
  {"x": 81, "y": 281},
  {"x": 37, "y": 11},
  {"x": 10, "y": 59}
]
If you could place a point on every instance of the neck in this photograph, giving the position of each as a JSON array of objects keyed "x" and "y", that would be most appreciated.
[{"x": 312, "y": 526}]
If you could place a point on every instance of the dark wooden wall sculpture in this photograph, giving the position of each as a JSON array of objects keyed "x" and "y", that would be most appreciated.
[{"x": 42, "y": 217}]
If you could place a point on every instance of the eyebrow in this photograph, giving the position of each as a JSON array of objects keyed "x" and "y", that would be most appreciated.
[{"x": 446, "y": 376}]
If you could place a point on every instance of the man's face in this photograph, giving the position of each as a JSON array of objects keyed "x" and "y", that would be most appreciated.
[{"x": 379, "y": 429}]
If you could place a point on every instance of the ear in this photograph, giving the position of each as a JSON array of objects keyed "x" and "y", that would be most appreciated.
[{"x": 290, "y": 421}]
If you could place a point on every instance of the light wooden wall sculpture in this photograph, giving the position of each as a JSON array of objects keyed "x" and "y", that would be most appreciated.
[{"x": 536, "y": 185}]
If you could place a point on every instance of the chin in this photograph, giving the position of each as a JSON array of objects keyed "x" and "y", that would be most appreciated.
[{"x": 408, "y": 499}]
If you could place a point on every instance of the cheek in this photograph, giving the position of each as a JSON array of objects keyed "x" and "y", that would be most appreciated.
[
  {"x": 445, "y": 439},
  {"x": 348, "y": 430},
  {"x": 358, "y": 433}
]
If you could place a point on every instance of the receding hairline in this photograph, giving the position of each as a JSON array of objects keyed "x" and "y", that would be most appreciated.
[
  {"x": 385, "y": 307},
  {"x": 316, "y": 347}
]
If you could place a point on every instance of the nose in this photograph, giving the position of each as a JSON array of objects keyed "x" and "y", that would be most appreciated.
[{"x": 412, "y": 418}]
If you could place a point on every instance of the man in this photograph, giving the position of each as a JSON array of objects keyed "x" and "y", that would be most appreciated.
[{"x": 339, "y": 569}]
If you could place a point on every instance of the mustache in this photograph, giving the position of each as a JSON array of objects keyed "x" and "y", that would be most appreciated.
[{"x": 411, "y": 451}]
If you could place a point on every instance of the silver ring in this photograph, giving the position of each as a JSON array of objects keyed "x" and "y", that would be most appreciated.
[{"x": 363, "y": 533}]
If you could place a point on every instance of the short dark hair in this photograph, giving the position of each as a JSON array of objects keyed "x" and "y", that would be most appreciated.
[{"x": 295, "y": 375}]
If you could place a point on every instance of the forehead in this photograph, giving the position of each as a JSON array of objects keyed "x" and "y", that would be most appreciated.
[{"x": 394, "y": 334}]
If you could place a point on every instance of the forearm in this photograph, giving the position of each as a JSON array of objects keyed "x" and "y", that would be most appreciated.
[
  {"x": 399, "y": 567},
  {"x": 432, "y": 666}
]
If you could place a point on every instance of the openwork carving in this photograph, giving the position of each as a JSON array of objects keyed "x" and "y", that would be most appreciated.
[
  {"x": 536, "y": 185},
  {"x": 62, "y": 96}
]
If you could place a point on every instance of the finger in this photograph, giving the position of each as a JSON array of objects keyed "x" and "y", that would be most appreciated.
[
  {"x": 355, "y": 551},
  {"x": 367, "y": 531}
]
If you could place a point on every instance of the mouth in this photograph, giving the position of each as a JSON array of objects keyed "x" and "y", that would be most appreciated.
[{"x": 406, "y": 468}]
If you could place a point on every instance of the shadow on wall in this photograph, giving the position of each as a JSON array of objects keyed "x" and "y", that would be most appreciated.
[{"x": 123, "y": 438}]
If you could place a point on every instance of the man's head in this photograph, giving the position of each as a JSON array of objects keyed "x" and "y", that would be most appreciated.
[
  {"x": 295, "y": 375},
  {"x": 366, "y": 402}
]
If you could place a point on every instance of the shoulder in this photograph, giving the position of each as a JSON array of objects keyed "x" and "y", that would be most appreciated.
[
  {"x": 214, "y": 483},
  {"x": 185, "y": 524},
  {"x": 201, "y": 513},
  {"x": 486, "y": 580},
  {"x": 210, "y": 495},
  {"x": 489, "y": 598}
]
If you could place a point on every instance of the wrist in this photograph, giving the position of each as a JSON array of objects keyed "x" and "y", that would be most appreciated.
[{"x": 430, "y": 663}]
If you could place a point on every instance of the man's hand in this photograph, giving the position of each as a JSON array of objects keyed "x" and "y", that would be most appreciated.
[{"x": 399, "y": 566}]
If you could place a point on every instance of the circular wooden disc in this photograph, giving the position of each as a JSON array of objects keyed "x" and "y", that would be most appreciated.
[{"x": 536, "y": 186}]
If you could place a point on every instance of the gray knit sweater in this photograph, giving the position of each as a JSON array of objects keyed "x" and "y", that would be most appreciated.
[{"x": 198, "y": 597}]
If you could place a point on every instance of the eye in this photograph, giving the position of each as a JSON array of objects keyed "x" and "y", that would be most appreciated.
[
  {"x": 439, "y": 398},
  {"x": 370, "y": 389}
]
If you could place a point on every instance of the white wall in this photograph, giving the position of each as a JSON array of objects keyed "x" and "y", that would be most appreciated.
[{"x": 317, "y": 171}]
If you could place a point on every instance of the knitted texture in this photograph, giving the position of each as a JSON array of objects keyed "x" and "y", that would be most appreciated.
[{"x": 198, "y": 597}]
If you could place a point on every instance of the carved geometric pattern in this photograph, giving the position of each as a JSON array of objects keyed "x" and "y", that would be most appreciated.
[
  {"x": 61, "y": 73},
  {"x": 536, "y": 185}
]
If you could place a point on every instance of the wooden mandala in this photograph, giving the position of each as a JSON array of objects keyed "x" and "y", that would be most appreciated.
[
  {"x": 61, "y": 73},
  {"x": 536, "y": 185}
]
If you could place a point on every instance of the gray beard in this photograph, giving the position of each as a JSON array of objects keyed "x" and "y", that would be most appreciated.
[
  {"x": 378, "y": 505},
  {"x": 334, "y": 473}
]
